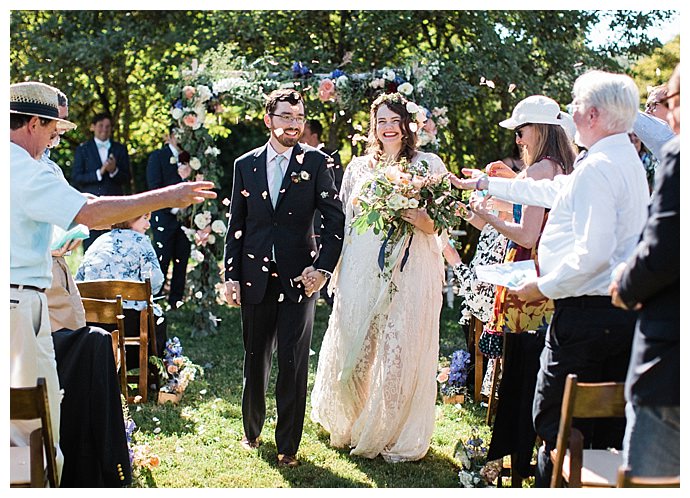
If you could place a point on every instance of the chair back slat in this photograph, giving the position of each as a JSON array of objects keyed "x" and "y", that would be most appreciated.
[
  {"x": 108, "y": 289},
  {"x": 599, "y": 400}
]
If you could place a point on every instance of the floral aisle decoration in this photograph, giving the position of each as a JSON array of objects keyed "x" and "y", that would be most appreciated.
[
  {"x": 476, "y": 472},
  {"x": 223, "y": 84},
  {"x": 452, "y": 378},
  {"x": 142, "y": 459},
  {"x": 394, "y": 188},
  {"x": 176, "y": 370}
]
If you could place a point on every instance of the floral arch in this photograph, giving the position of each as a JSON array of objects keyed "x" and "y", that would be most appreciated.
[{"x": 222, "y": 85}]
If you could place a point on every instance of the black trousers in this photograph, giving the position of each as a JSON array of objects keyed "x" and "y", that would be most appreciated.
[
  {"x": 589, "y": 337},
  {"x": 173, "y": 246},
  {"x": 277, "y": 324}
]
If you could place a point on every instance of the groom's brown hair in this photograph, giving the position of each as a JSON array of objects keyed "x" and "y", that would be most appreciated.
[{"x": 288, "y": 95}]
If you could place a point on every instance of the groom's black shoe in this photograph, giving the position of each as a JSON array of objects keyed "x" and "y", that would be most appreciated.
[
  {"x": 250, "y": 444},
  {"x": 287, "y": 461}
]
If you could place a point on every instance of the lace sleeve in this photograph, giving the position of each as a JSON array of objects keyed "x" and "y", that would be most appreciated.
[
  {"x": 436, "y": 165},
  {"x": 347, "y": 186}
]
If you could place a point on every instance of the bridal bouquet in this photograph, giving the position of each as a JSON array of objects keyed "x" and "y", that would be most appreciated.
[
  {"x": 404, "y": 185},
  {"x": 453, "y": 378}
]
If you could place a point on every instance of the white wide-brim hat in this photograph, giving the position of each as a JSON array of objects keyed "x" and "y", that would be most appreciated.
[
  {"x": 535, "y": 109},
  {"x": 37, "y": 99}
]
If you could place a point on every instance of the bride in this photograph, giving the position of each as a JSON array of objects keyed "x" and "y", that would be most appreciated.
[{"x": 375, "y": 388}]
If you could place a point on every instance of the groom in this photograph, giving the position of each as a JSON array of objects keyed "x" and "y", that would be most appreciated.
[{"x": 273, "y": 268}]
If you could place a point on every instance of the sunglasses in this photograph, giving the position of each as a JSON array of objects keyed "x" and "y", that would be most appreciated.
[{"x": 518, "y": 130}]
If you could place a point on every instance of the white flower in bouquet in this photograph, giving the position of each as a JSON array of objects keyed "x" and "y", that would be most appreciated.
[
  {"x": 413, "y": 203},
  {"x": 342, "y": 81},
  {"x": 211, "y": 239},
  {"x": 406, "y": 88},
  {"x": 219, "y": 227},
  {"x": 396, "y": 201},
  {"x": 177, "y": 113},
  {"x": 195, "y": 163}
]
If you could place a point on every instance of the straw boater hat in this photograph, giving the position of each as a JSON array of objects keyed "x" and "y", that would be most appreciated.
[{"x": 37, "y": 99}]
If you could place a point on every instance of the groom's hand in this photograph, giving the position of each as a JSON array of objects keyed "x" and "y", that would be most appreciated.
[
  {"x": 232, "y": 293},
  {"x": 313, "y": 280}
]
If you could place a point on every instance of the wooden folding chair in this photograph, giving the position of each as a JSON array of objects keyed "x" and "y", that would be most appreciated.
[
  {"x": 627, "y": 480},
  {"x": 110, "y": 312},
  {"x": 146, "y": 339},
  {"x": 578, "y": 467},
  {"x": 29, "y": 403}
]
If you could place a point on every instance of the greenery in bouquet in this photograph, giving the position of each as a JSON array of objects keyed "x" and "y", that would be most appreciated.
[
  {"x": 175, "y": 369},
  {"x": 397, "y": 186},
  {"x": 476, "y": 472},
  {"x": 453, "y": 377}
]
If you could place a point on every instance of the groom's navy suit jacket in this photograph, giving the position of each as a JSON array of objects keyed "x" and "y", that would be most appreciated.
[
  {"x": 87, "y": 161},
  {"x": 255, "y": 226}
]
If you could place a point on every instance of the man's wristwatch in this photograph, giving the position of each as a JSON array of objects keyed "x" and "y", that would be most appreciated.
[{"x": 326, "y": 273}]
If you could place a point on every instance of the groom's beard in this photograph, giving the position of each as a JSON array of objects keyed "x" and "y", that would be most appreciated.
[{"x": 285, "y": 140}]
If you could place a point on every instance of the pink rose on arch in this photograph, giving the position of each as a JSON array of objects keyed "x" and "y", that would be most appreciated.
[
  {"x": 190, "y": 120},
  {"x": 430, "y": 127},
  {"x": 189, "y": 92},
  {"x": 172, "y": 369},
  {"x": 326, "y": 89}
]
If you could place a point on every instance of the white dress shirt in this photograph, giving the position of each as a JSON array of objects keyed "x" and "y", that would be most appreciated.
[
  {"x": 103, "y": 147},
  {"x": 596, "y": 218}
]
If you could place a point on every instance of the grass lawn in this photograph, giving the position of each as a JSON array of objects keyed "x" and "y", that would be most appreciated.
[{"x": 197, "y": 441}]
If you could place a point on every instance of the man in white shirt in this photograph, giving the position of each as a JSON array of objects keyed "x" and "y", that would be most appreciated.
[
  {"x": 40, "y": 199},
  {"x": 597, "y": 215}
]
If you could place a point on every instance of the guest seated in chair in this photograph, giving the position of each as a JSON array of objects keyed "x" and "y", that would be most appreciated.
[{"x": 126, "y": 253}]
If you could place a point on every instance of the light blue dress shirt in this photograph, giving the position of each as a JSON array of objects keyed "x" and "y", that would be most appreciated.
[{"x": 39, "y": 199}]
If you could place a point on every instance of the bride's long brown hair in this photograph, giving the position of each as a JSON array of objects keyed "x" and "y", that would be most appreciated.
[{"x": 398, "y": 104}]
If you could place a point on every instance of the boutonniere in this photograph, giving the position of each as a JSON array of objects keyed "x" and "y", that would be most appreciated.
[
  {"x": 297, "y": 177},
  {"x": 173, "y": 160}
]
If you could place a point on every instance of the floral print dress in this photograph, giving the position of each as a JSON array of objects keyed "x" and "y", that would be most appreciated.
[{"x": 122, "y": 254}]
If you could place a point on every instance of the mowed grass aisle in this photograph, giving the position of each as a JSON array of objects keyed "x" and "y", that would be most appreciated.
[{"x": 198, "y": 441}]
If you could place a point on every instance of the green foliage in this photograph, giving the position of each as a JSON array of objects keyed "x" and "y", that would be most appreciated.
[{"x": 656, "y": 69}]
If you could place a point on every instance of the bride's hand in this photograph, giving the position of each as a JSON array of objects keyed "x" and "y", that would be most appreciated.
[{"x": 420, "y": 219}]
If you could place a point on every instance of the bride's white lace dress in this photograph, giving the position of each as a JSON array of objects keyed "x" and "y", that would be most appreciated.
[{"x": 375, "y": 388}]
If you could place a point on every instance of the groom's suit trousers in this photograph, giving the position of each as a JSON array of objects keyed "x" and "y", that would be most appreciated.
[{"x": 277, "y": 323}]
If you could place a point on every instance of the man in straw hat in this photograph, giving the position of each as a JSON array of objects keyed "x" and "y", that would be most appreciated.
[{"x": 39, "y": 200}]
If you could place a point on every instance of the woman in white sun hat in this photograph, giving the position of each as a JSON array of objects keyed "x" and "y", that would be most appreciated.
[{"x": 545, "y": 136}]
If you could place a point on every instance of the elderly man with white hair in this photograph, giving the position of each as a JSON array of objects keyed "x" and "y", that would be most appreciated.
[{"x": 596, "y": 218}]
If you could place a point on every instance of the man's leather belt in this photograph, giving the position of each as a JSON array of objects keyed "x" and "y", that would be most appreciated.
[{"x": 28, "y": 287}]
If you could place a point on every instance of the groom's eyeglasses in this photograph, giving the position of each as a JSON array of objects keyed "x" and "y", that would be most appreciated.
[{"x": 286, "y": 118}]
